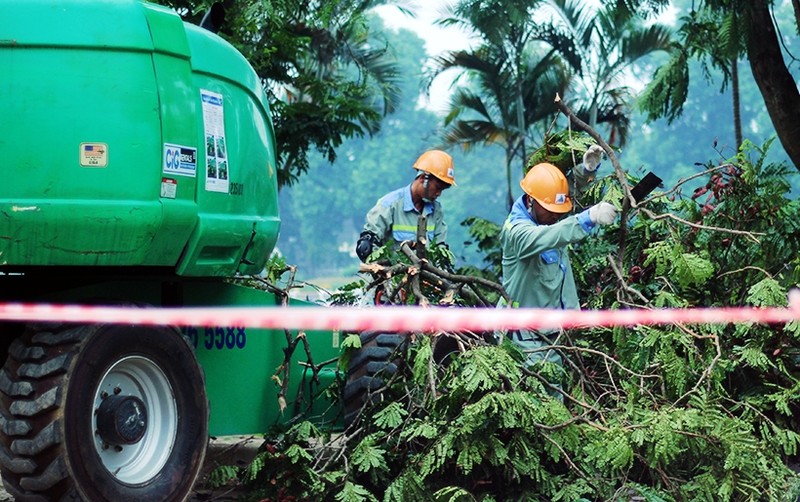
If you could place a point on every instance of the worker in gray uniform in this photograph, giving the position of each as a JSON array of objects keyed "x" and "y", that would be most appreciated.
[
  {"x": 394, "y": 217},
  {"x": 534, "y": 240}
]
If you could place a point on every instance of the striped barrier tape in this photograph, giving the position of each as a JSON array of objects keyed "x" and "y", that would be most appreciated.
[{"x": 395, "y": 319}]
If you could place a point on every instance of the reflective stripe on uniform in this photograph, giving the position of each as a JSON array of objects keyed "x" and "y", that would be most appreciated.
[
  {"x": 411, "y": 228},
  {"x": 402, "y": 233}
]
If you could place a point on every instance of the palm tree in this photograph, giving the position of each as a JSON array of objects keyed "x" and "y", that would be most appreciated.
[
  {"x": 492, "y": 109},
  {"x": 510, "y": 79},
  {"x": 530, "y": 51},
  {"x": 609, "y": 41}
]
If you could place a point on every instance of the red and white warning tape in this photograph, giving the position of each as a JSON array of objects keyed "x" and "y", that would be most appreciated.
[{"x": 394, "y": 319}]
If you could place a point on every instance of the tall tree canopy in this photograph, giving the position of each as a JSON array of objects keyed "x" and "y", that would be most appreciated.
[
  {"x": 327, "y": 76},
  {"x": 609, "y": 41},
  {"x": 745, "y": 28},
  {"x": 510, "y": 78},
  {"x": 529, "y": 52}
]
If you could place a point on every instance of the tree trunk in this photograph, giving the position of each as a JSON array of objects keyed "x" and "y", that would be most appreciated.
[
  {"x": 737, "y": 112},
  {"x": 796, "y": 8},
  {"x": 776, "y": 84},
  {"x": 509, "y": 194}
]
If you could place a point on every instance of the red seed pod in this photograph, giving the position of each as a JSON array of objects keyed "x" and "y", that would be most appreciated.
[{"x": 699, "y": 191}]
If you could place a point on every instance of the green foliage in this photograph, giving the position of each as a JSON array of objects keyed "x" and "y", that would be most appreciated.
[
  {"x": 348, "y": 294},
  {"x": 390, "y": 417},
  {"x": 484, "y": 233},
  {"x": 422, "y": 360},
  {"x": 663, "y": 413},
  {"x": 452, "y": 494},
  {"x": 677, "y": 265},
  {"x": 688, "y": 269},
  {"x": 766, "y": 293},
  {"x": 351, "y": 341},
  {"x": 563, "y": 149},
  {"x": 354, "y": 493},
  {"x": 369, "y": 455},
  {"x": 327, "y": 75},
  {"x": 667, "y": 91},
  {"x": 222, "y": 475},
  {"x": 482, "y": 370},
  {"x": 275, "y": 268}
]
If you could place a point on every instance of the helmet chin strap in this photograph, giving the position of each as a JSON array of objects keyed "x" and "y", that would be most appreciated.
[
  {"x": 425, "y": 182},
  {"x": 531, "y": 208}
]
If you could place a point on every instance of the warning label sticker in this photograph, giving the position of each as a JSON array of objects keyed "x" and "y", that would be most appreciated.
[
  {"x": 169, "y": 188},
  {"x": 181, "y": 160}
]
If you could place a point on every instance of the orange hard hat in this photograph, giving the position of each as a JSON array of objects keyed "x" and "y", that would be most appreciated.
[
  {"x": 548, "y": 186},
  {"x": 437, "y": 163}
]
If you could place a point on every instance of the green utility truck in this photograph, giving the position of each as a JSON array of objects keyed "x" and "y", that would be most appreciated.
[{"x": 138, "y": 170}]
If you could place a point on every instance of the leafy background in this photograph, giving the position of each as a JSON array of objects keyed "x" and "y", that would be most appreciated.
[
  {"x": 323, "y": 212},
  {"x": 674, "y": 412}
]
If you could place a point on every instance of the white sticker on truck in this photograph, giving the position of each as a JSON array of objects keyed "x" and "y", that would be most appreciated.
[
  {"x": 94, "y": 154},
  {"x": 217, "y": 175},
  {"x": 169, "y": 188},
  {"x": 180, "y": 160}
]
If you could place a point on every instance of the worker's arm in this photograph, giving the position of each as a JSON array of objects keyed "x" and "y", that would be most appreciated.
[
  {"x": 528, "y": 239},
  {"x": 379, "y": 220},
  {"x": 585, "y": 173}
]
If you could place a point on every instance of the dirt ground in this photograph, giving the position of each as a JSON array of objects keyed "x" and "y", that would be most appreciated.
[{"x": 229, "y": 450}]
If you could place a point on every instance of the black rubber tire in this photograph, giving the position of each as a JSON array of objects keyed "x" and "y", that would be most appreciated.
[
  {"x": 49, "y": 390},
  {"x": 378, "y": 359}
]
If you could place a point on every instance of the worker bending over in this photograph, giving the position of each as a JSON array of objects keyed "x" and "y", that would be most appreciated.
[{"x": 534, "y": 240}]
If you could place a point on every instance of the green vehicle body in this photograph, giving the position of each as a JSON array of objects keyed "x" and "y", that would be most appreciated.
[{"x": 139, "y": 169}]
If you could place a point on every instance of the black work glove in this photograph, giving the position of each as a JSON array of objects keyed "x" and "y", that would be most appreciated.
[{"x": 366, "y": 243}]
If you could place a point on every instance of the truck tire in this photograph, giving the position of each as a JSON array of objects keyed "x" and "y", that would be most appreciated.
[
  {"x": 370, "y": 367},
  {"x": 101, "y": 413}
]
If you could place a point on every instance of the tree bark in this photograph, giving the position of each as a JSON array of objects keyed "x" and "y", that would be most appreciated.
[
  {"x": 737, "y": 112},
  {"x": 796, "y": 8},
  {"x": 776, "y": 84}
]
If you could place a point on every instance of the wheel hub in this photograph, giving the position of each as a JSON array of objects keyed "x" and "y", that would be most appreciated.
[{"x": 121, "y": 420}]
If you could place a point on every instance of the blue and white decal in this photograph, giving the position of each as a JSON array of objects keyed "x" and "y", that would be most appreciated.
[{"x": 180, "y": 160}]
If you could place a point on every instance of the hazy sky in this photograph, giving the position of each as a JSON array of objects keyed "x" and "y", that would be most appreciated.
[{"x": 437, "y": 39}]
